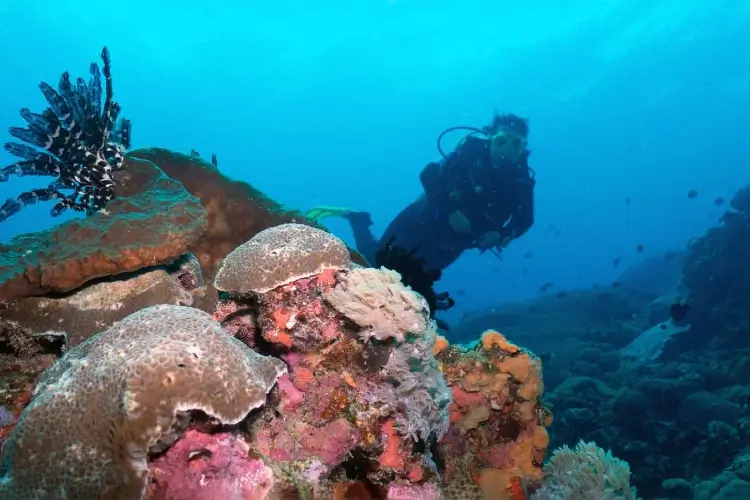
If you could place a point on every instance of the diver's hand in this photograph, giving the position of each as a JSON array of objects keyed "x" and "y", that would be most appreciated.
[
  {"x": 492, "y": 239},
  {"x": 459, "y": 222}
]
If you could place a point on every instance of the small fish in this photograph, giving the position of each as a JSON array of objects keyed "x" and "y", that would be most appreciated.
[
  {"x": 719, "y": 201},
  {"x": 616, "y": 261},
  {"x": 627, "y": 202},
  {"x": 639, "y": 248},
  {"x": 557, "y": 233},
  {"x": 545, "y": 287},
  {"x": 525, "y": 271},
  {"x": 615, "y": 284},
  {"x": 693, "y": 193},
  {"x": 527, "y": 255},
  {"x": 561, "y": 294}
]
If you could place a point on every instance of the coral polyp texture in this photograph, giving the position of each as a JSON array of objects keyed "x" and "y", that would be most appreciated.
[
  {"x": 78, "y": 140},
  {"x": 280, "y": 255},
  {"x": 98, "y": 411}
]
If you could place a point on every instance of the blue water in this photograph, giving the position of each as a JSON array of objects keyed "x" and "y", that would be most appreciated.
[{"x": 340, "y": 102}]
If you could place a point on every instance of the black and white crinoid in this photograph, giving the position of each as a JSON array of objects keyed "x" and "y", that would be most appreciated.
[{"x": 78, "y": 140}]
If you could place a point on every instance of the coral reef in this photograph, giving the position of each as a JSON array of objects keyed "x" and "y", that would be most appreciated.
[
  {"x": 349, "y": 389},
  {"x": 199, "y": 340},
  {"x": 78, "y": 140},
  {"x": 368, "y": 401},
  {"x": 673, "y": 403},
  {"x": 717, "y": 276},
  {"x": 314, "y": 378},
  {"x": 731, "y": 484},
  {"x": 498, "y": 432},
  {"x": 375, "y": 402}
]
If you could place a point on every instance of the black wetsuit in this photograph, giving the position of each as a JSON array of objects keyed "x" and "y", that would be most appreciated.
[{"x": 492, "y": 199}]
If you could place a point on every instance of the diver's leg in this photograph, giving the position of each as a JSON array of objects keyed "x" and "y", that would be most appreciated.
[{"x": 365, "y": 241}]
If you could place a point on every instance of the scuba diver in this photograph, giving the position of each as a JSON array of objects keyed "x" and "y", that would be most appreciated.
[{"x": 480, "y": 196}]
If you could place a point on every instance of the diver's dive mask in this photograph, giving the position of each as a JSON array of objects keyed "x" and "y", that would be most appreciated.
[{"x": 507, "y": 147}]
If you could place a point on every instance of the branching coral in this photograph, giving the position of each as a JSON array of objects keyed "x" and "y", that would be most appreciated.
[{"x": 78, "y": 140}]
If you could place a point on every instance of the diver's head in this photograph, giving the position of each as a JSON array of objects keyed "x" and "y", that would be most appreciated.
[{"x": 508, "y": 138}]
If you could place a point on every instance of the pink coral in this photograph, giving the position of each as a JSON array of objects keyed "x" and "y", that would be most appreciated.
[
  {"x": 427, "y": 491},
  {"x": 295, "y": 316},
  {"x": 291, "y": 397},
  {"x": 209, "y": 467},
  {"x": 329, "y": 444}
]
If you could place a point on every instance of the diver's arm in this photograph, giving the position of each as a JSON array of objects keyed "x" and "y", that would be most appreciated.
[
  {"x": 502, "y": 231},
  {"x": 435, "y": 183}
]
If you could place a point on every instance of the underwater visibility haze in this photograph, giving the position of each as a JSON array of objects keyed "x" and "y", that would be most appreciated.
[{"x": 397, "y": 249}]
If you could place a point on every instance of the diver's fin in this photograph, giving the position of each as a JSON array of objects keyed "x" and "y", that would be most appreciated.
[{"x": 317, "y": 214}]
